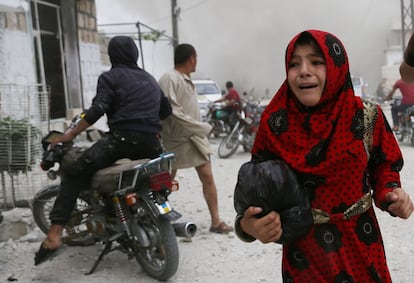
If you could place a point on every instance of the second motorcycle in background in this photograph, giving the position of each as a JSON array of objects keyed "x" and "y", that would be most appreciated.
[
  {"x": 406, "y": 123},
  {"x": 244, "y": 131}
]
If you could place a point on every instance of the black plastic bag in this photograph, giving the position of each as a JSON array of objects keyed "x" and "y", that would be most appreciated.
[{"x": 272, "y": 185}]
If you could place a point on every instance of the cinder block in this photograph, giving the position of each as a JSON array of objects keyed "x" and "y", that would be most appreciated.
[{"x": 16, "y": 223}]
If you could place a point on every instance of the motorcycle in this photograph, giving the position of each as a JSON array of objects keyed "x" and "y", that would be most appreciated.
[
  {"x": 243, "y": 132},
  {"x": 406, "y": 123},
  {"x": 125, "y": 209},
  {"x": 218, "y": 117}
]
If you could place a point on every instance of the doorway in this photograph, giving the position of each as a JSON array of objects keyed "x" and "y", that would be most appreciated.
[{"x": 50, "y": 63}]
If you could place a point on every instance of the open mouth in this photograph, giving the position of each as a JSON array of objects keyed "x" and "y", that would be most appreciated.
[{"x": 307, "y": 86}]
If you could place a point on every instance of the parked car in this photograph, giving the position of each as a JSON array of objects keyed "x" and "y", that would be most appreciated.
[{"x": 207, "y": 91}]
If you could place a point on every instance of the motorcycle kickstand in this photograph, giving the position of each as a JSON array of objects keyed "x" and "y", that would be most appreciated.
[{"x": 107, "y": 249}]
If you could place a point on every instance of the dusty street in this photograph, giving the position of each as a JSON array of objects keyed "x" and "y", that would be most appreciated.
[{"x": 209, "y": 257}]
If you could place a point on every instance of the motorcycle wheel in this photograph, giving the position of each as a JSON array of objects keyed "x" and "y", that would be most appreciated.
[
  {"x": 229, "y": 144},
  {"x": 42, "y": 206},
  {"x": 160, "y": 259}
]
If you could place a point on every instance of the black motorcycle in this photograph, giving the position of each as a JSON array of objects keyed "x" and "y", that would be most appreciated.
[
  {"x": 126, "y": 209},
  {"x": 406, "y": 123},
  {"x": 218, "y": 117},
  {"x": 244, "y": 131}
]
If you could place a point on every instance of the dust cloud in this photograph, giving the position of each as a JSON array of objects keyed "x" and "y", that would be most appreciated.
[{"x": 245, "y": 41}]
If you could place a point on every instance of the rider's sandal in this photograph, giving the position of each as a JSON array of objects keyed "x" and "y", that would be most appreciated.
[
  {"x": 45, "y": 254},
  {"x": 222, "y": 228}
]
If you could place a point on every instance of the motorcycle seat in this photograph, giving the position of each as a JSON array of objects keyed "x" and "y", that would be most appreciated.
[{"x": 106, "y": 180}]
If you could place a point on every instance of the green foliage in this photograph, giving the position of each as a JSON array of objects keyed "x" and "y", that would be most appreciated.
[
  {"x": 153, "y": 35},
  {"x": 19, "y": 144}
]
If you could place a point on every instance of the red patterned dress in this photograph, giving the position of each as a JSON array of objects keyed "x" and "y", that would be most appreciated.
[{"x": 324, "y": 144}]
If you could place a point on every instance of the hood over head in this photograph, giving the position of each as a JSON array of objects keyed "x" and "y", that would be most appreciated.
[{"x": 123, "y": 50}]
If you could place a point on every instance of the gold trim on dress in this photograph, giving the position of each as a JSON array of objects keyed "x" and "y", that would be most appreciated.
[{"x": 359, "y": 207}]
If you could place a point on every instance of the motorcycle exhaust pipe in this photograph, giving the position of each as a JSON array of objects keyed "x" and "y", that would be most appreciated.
[{"x": 185, "y": 229}]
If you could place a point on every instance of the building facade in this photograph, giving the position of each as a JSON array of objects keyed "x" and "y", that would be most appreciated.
[
  {"x": 53, "y": 45},
  {"x": 49, "y": 65}
]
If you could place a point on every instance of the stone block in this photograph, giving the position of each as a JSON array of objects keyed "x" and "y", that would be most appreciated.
[{"x": 16, "y": 223}]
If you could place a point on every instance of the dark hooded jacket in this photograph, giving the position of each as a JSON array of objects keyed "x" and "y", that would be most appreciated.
[{"x": 129, "y": 96}]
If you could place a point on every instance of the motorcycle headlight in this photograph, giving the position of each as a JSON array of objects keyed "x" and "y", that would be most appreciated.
[{"x": 242, "y": 115}]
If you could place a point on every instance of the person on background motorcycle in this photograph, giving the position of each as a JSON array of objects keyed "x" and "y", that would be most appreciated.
[
  {"x": 232, "y": 103},
  {"x": 134, "y": 104},
  {"x": 407, "y": 92}
]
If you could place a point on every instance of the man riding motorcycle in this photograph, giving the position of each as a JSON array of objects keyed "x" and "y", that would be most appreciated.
[
  {"x": 134, "y": 104},
  {"x": 232, "y": 102},
  {"x": 407, "y": 92}
]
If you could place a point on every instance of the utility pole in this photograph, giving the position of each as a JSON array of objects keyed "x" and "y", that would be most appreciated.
[
  {"x": 407, "y": 21},
  {"x": 175, "y": 11}
]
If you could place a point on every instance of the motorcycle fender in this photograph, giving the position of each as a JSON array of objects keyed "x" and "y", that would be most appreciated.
[
  {"x": 46, "y": 190},
  {"x": 140, "y": 235},
  {"x": 173, "y": 215}
]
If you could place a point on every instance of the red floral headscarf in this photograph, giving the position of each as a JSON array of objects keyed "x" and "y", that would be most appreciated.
[{"x": 326, "y": 140}]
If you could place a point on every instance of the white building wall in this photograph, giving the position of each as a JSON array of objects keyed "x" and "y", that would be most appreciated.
[
  {"x": 16, "y": 48},
  {"x": 393, "y": 56},
  {"x": 18, "y": 94},
  {"x": 91, "y": 68},
  {"x": 10, "y": 5},
  {"x": 16, "y": 57}
]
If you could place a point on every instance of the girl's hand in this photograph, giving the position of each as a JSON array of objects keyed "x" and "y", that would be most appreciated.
[
  {"x": 401, "y": 204},
  {"x": 266, "y": 229}
]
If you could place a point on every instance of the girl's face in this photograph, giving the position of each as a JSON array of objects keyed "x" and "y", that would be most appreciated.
[{"x": 306, "y": 74}]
